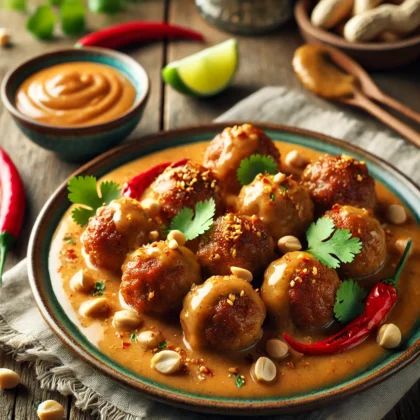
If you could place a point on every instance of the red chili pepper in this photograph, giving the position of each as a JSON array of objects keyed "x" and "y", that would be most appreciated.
[
  {"x": 131, "y": 32},
  {"x": 135, "y": 187},
  {"x": 12, "y": 206},
  {"x": 379, "y": 303}
]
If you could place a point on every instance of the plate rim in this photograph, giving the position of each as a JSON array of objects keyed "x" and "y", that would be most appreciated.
[{"x": 170, "y": 397}]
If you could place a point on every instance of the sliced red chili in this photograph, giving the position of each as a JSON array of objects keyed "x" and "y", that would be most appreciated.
[
  {"x": 12, "y": 206},
  {"x": 135, "y": 187},
  {"x": 379, "y": 303},
  {"x": 124, "y": 34}
]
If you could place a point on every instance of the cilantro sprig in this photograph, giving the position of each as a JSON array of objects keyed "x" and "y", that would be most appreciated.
[
  {"x": 254, "y": 165},
  {"x": 349, "y": 301},
  {"x": 194, "y": 223},
  {"x": 99, "y": 289},
  {"x": 83, "y": 190},
  {"x": 331, "y": 246}
]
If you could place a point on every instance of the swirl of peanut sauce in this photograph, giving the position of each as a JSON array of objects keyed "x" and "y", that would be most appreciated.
[{"x": 75, "y": 94}]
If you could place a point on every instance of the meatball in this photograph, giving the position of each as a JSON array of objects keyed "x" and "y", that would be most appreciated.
[
  {"x": 236, "y": 240},
  {"x": 184, "y": 186},
  {"x": 226, "y": 151},
  {"x": 115, "y": 230},
  {"x": 156, "y": 278},
  {"x": 362, "y": 225},
  {"x": 224, "y": 313},
  {"x": 298, "y": 288},
  {"x": 281, "y": 203},
  {"x": 339, "y": 180}
]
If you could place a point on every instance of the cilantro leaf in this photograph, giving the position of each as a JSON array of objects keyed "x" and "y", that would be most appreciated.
[
  {"x": 133, "y": 337},
  {"x": 340, "y": 247},
  {"x": 162, "y": 345},
  {"x": 348, "y": 301},
  {"x": 256, "y": 164},
  {"x": 194, "y": 225},
  {"x": 72, "y": 16},
  {"x": 99, "y": 289},
  {"x": 83, "y": 190},
  {"x": 41, "y": 24},
  {"x": 240, "y": 382},
  {"x": 109, "y": 191}
]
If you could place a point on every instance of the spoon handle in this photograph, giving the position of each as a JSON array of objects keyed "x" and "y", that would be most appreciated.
[
  {"x": 398, "y": 106},
  {"x": 363, "y": 102}
]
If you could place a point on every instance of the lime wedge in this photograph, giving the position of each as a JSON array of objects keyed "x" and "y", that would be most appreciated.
[{"x": 205, "y": 73}]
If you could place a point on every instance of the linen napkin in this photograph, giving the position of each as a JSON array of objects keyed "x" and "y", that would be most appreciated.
[{"x": 24, "y": 333}]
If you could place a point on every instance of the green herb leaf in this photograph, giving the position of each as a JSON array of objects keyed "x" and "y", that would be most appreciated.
[
  {"x": 194, "y": 225},
  {"x": 41, "y": 23},
  {"x": 256, "y": 164},
  {"x": 348, "y": 301},
  {"x": 162, "y": 345},
  {"x": 240, "y": 382},
  {"x": 105, "y": 6},
  {"x": 83, "y": 190},
  {"x": 19, "y": 5},
  {"x": 330, "y": 250},
  {"x": 272, "y": 197},
  {"x": 72, "y": 16},
  {"x": 54, "y": 2},
  {"x": 68, "y": 239},
  {"x": 133, "y": 337},
  {"x": 99, "y": 289}
]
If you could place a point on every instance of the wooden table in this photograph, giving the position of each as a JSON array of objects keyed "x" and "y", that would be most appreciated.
[{"x": 265, "y": 60}]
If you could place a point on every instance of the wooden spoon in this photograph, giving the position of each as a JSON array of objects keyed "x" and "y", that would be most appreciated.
[
  {"x": 368, "y": 86},
  {"x": 318, "y": 71}
]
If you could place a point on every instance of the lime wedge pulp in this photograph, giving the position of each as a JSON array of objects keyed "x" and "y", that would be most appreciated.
[{"x": 205, "y": 73}]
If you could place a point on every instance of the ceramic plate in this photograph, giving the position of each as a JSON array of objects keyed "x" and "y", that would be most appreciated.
[{"x": 70, "y": 335}]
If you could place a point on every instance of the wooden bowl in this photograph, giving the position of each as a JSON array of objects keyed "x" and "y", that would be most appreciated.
[{"x": 371, "y": 55}]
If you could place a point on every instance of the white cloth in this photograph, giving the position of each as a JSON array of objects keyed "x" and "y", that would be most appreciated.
[{"x": 24, "y": 332}]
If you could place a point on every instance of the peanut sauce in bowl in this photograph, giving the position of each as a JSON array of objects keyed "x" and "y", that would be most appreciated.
[{"x": 75, "y": 94}]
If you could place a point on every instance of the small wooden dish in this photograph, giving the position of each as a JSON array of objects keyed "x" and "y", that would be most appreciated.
[{"x": 371, "y": 55}]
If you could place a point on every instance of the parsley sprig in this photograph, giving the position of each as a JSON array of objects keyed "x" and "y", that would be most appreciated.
[
  {"x": 83, "y": 190},
  {"x": 194, "y": 223},
  {"x": 331, "y": 246},
  {"x": 254, "y": 165},
  {"x": 349, "y": 301},
  {"x": 99, "y": 289}
]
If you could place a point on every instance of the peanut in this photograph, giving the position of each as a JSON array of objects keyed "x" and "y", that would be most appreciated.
[
  {"x": 126, "y": 320},
  {"x": 389, "y": 336},
  {"x": 368, "y": 25},
  {"x": 50, "y": 410},
  {"x": 361, "y": 6},
  {"x": 265, "y": 370},
  {"x": 242, "y": 273},
  {"x": 178, "y": 236},
  {"x": 166, "y": 362},
  {"x": 328, "y": 13},
  {"x": 396, "y": 214},
  {"x": 289, "y": 243},
  {"x": 8, "y": 379}
]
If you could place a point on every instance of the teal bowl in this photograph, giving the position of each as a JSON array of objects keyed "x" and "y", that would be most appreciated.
[
  {"x": 48, "y": 299},
  {"x": 78, "y": 143}
]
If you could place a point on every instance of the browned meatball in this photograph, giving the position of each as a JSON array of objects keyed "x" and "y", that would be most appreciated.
[
  {"x": 226, "y": 151},
  {"x": 235, "y": 240},
  {"x": 281, "y": 203},
  {"x": 339, "y": 180},
  {"x": 184, "y": 186},
  {"x": 115, "y": 230},
  {"x": 298, "y": 288},
  {"x": 362, "y": 225},
  {"x": 156, "y": 278},
  {"x": 224, "y": 313}
]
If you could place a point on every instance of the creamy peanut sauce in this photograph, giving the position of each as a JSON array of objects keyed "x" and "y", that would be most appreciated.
[
  {"x": 296, "y": 373},
  {"x": 75, "y": 94},
  {"x": 319, "y": 74}
]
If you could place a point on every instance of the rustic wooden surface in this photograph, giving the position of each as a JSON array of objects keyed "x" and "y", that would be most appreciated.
[{"x": 265, "y": 60}]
